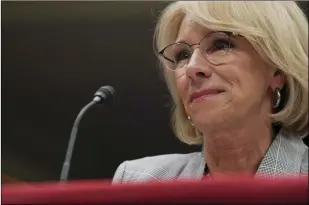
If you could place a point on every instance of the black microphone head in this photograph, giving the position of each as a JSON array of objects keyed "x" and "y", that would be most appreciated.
[{"x": 105, "y": 93}]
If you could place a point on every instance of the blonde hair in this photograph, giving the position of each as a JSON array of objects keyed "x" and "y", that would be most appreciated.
[{"x": 276, "y": 29}]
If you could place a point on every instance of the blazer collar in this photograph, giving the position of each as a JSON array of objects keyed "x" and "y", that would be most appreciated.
[{"x": 282, "y": 159}]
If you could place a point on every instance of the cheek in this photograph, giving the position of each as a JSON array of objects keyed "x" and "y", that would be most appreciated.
[
  {"x": 250, "y": 73},
  {"x": 182, "y": 87},
  {"x": 182, "y": 84},
  {"x": 247, "y": 81}
]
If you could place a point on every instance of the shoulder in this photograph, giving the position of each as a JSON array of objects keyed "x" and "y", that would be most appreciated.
[
  {"x": 304, "y": 162},
  {"x": 301, "y": 151},
  {"x": 155, "y": 168},
  {"x": 295, "y": 152}
]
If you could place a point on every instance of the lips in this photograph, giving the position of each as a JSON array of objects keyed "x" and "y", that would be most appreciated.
[{"x": 205, "y": 93}]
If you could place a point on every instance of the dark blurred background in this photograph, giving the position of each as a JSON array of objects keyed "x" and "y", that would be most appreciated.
[{"x": 55, "y": 55}]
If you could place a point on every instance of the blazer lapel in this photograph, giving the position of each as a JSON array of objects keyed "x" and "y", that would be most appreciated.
[
  {"x": 195, "y": 168},
  {"x": 283, "y": 158}
]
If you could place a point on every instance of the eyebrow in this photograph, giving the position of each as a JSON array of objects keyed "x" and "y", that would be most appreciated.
[
  {"x": 206, "y": 34},
  {"x": 182, "y": 41}
]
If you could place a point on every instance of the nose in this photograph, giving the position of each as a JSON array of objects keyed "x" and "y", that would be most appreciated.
[{"x": 198, "y": 67}]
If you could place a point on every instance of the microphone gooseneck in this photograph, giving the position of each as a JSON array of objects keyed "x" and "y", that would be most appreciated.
[{"x": 105, "y": 94}]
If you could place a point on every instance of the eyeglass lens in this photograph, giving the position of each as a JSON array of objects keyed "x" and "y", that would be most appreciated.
[{"x": 213, "y": 46}]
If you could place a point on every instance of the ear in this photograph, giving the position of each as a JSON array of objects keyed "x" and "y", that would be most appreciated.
[{"x": 278, "y": 80}]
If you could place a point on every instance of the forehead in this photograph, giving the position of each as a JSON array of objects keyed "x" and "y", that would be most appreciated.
[{"x": 189, "y": 30}]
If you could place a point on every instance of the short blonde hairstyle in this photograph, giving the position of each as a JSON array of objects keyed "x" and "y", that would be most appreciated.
[{"x": 276, "y": 29}]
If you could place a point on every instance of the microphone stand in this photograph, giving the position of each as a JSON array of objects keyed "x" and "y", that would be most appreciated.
[
  {"x": 103, "y": 94},
  {"x": 67, "y": 162}
]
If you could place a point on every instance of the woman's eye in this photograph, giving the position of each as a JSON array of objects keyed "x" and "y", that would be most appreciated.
[
  {"x": 221, "y": 45},
  {"x": 183, "y": 55}
]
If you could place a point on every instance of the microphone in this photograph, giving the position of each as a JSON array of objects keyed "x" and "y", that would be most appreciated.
[{"x": 105, "y": 94}]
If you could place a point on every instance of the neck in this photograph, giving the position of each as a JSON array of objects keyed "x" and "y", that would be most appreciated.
[{"x": 237, "y": 149}]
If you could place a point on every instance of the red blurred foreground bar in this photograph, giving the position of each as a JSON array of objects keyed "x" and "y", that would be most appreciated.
[{"x": 232, "y": 191}]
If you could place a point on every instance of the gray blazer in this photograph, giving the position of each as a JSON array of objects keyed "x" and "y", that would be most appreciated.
[{"x": 286, "y": 157}]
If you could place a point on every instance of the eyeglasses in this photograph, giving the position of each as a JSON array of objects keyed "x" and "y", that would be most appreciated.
[{"x": 214, "y": 47}]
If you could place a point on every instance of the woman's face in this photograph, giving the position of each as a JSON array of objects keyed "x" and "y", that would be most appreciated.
[{"x": 227, "y": 92}]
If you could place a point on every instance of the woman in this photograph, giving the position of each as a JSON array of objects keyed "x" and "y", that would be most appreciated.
[{"x": 238, "y": 76}]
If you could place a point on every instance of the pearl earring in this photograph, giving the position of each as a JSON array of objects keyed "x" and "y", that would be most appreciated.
[{"x": 189, "y": 118}]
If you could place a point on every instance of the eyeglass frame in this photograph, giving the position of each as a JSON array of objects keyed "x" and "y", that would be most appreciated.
[{"x": 229, "y": 33}]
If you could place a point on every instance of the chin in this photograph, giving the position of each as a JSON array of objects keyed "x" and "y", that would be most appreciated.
[
  {"x": 209, "y": 113},
  {"x": 209, "y": 117}
]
